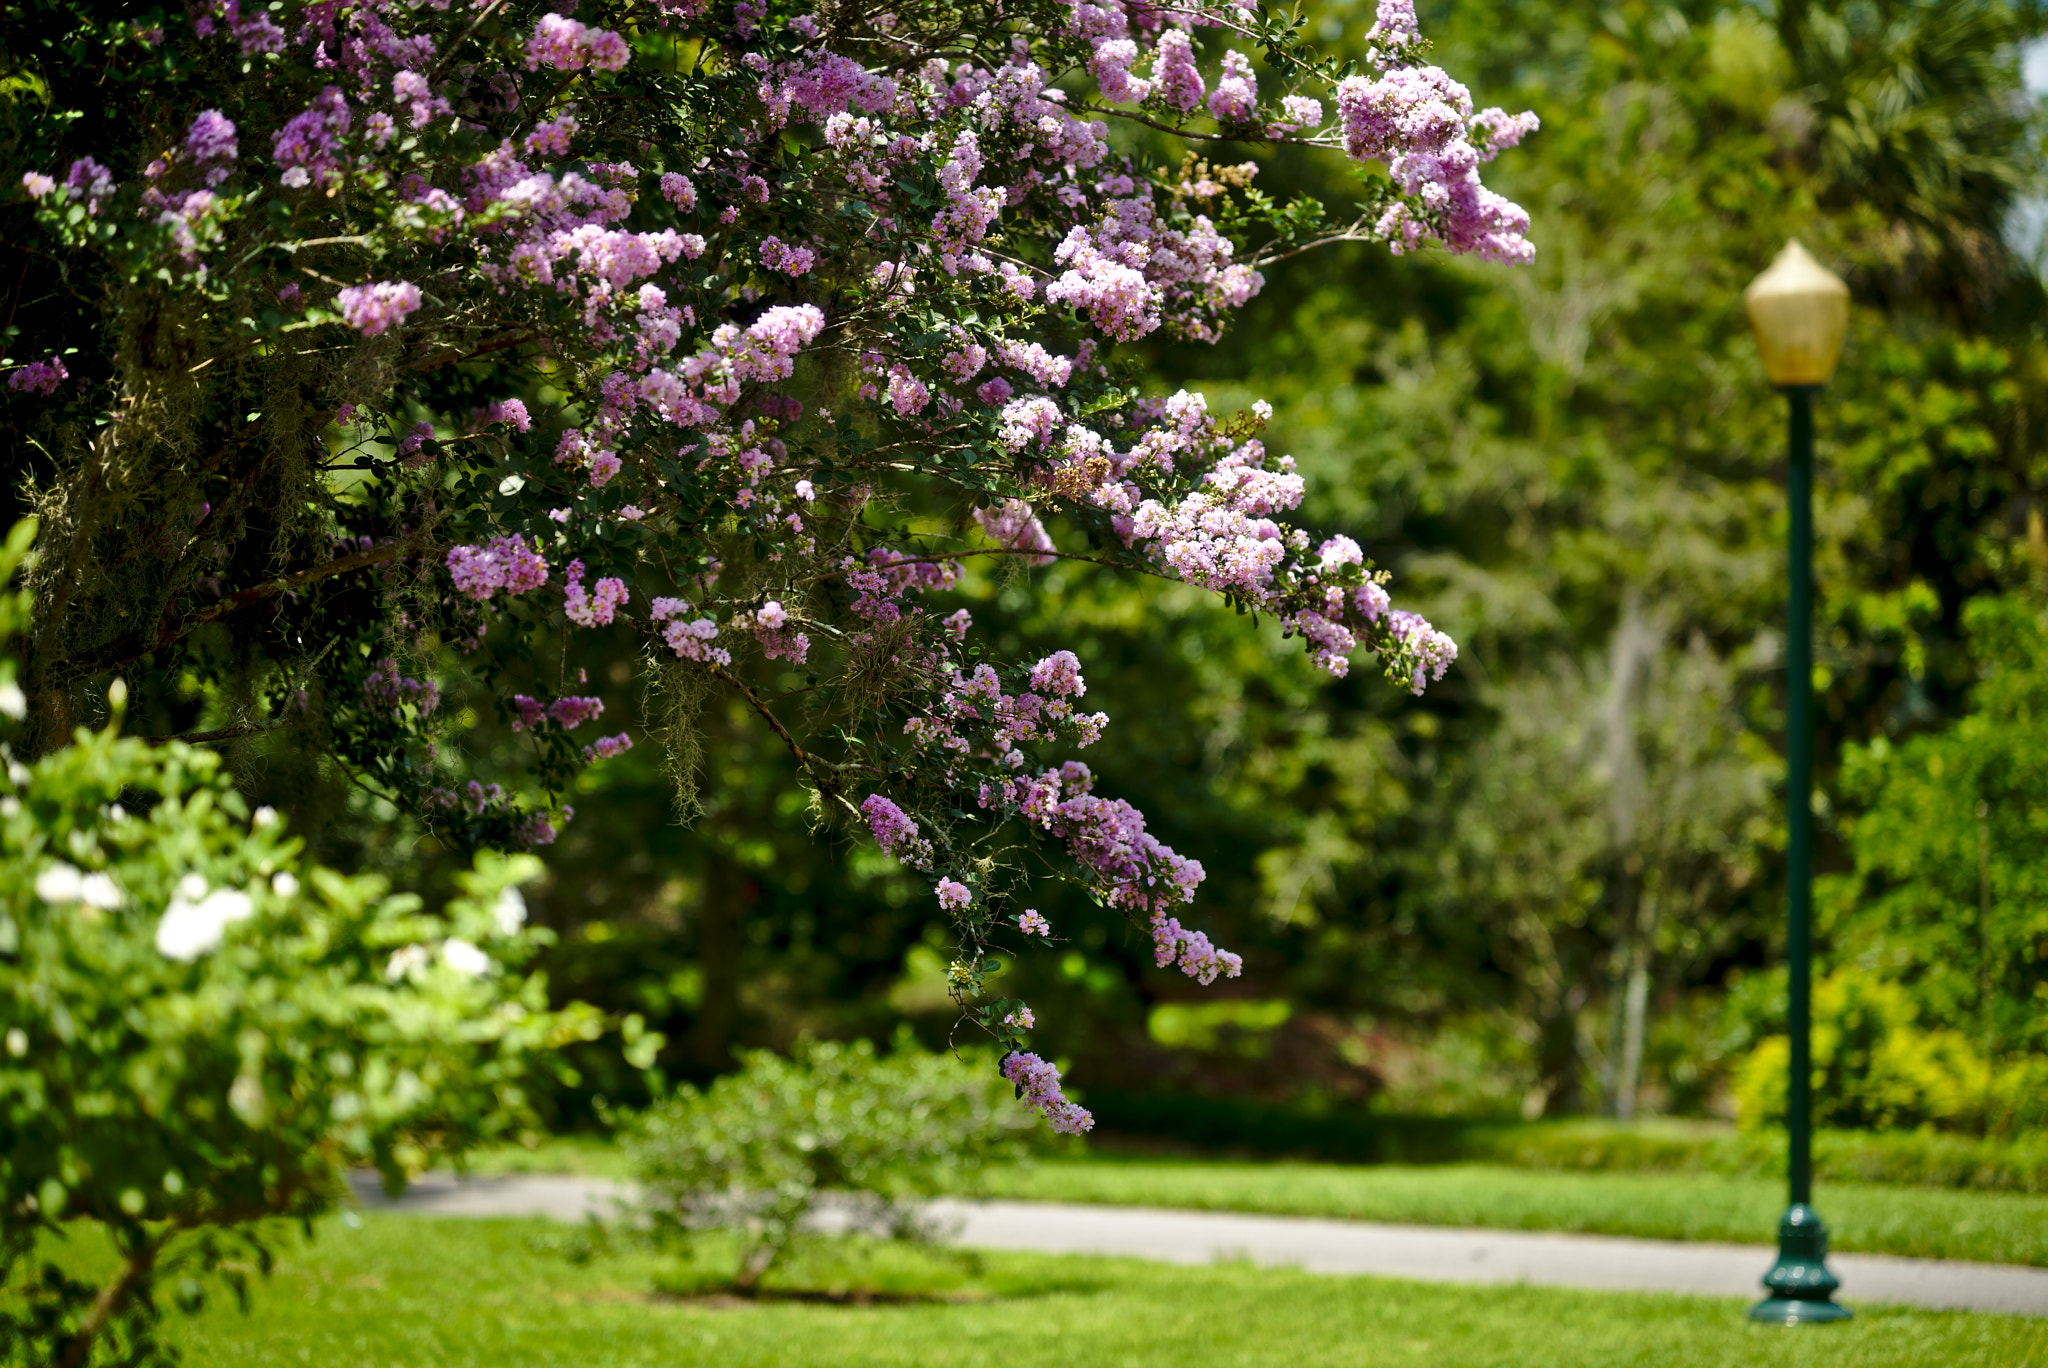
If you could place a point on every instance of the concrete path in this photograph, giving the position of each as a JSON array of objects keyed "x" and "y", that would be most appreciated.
[{"x": 1427, "y": 1253}]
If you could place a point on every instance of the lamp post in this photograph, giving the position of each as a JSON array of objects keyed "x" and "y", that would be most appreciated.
[{"x": 1800, "y": 314}]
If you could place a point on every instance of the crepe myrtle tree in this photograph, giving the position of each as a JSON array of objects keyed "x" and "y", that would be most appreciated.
[{"x": 367, "y": 352}]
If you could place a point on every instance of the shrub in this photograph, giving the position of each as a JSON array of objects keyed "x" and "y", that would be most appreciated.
[
  {"x": 199, "y": 1030},
  {"x": 882, "y": 1132},
  {"x": 1875, "y": 1066}
]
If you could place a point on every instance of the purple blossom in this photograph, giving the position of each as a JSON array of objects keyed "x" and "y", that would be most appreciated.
[
  {"x": 370, "y": 309},
  {"x": 527, "y": 712},
  {"x": 953, "y": 895},
  {"x": 39, "y": 377},
  {"x": 596, "y": 606},
  {"x": 1059, "y": 674},
  {"x": 570, "y": 713},
  {"x": 1174, "y": 73},
  {"x": 1111, "y": 67},
  {"x": 677, "y": 190},
  {"x": 894, "y": 832},
  {"x": 689, "y": 638},
  {"x": 307, "y": 145},
  {"x": 1038, "y": 1084},
  {"x": 568, "y": 45},
  {"x": 1031, "y": 924},
  {"x": 211, "y": 138},
  {"x": 1236, "y": 97},
  {"x": 1013, "y": 524},
  {"x": 1197, "y": 957},
  {"x": 387, "y": 690},
  {"x": 504, "y": 563},
  {"x": 605, "y": 747},
  {"x": 779, "y": 256}
]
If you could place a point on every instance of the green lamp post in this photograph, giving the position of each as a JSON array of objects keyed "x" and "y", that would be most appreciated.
[{"x": 1800, "y": 314}]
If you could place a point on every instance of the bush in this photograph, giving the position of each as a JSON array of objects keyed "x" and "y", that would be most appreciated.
[
  {"x": 200, "y": 1031},
  {"x": 1874, "y": 1066},
  {"x": 752, "y": 1152},
  {"x": 1921, "y": 1158}
]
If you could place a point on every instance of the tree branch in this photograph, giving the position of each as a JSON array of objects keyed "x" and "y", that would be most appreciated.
[
  {"x": 803, "y": 757},
  {"x": 134, "y": 1270},
  {"x": 138, "y": 644}
]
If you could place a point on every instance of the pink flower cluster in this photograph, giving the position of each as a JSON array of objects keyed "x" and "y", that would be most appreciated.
[
  {"x": 39, "y": 377},
  {"x": 606, "y": 747},
  {"x": 1432, "y": 650},
  {"x": 1031, "y": 924},
  {"x": 690, "y": 638},
  {"x": 1013, "y": 524},
  {"x": 778, "y": 640},
  {"x": 386, "y": 689},
  {"x": 567, "y": 45},
  {"x": 887, "y": 578},
  {"x": 308, "y": 147},
  {"x": 504, "y": 563},
  {"x": 1420, "y": 122},
  {"x": 210, "y": 144},
  {"x": 596, "y": 606},
  {"x": 1038, "y": 1085},
  {"x": 573, "y": 711},
  {"x": 954, "y": 896},
  {"x": 778, "y": 255},
  {"x": 895, "y": 832},
  {"x": 370, "y": 309},
  {"x": 1198, "y": 958}
]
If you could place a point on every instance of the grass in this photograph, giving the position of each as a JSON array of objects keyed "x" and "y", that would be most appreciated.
[
  {"x": 404, "y": 1291},
  {"x": 1922, "y": 1222}
]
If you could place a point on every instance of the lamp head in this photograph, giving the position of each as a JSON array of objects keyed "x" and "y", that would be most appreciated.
[{"x": 1799, "y": 311}]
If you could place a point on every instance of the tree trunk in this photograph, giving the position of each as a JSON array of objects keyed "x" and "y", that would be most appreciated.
[
  {"x": 1558, "y": 1057},
  {"x": 1636, "y": 1013},
  {"x": 721, "y": 925}
]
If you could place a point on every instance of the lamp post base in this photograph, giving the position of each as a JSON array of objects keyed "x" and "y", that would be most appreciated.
[{"x": 1801, "y": 1287}]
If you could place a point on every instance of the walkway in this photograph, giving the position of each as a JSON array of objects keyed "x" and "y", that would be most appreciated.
[{"x": 1428, "y": 1253}]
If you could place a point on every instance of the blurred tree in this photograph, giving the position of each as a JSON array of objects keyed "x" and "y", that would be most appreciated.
[{"x": 1581, "y": 463}]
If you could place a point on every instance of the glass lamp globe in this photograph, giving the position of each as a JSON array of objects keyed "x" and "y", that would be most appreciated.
[{"x": 1799, "y": 310}]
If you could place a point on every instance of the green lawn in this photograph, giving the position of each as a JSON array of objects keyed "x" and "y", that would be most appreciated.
[
  {"x": 1925, "y": 1222},
  {"x": 406, "y": 1291}
]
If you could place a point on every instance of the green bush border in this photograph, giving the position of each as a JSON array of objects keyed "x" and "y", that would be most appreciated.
[{"x": 1353, "y": 1135}]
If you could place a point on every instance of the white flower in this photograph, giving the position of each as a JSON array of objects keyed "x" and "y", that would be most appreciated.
[
  {"x": 404, "y": 961},
  {"x": 464, "y": 958},
  {"x": 192, "y": 928},
  {"x": 284, "y": 885},
  {"x": 98, "y": 890},
  {"x": 192, "y": 887},
  {"x": 13, "y": 701},
  {"x": 60, "y": 883},
  {"x": 264, "y": 817},
  {"x": 510, "y": 913}
]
